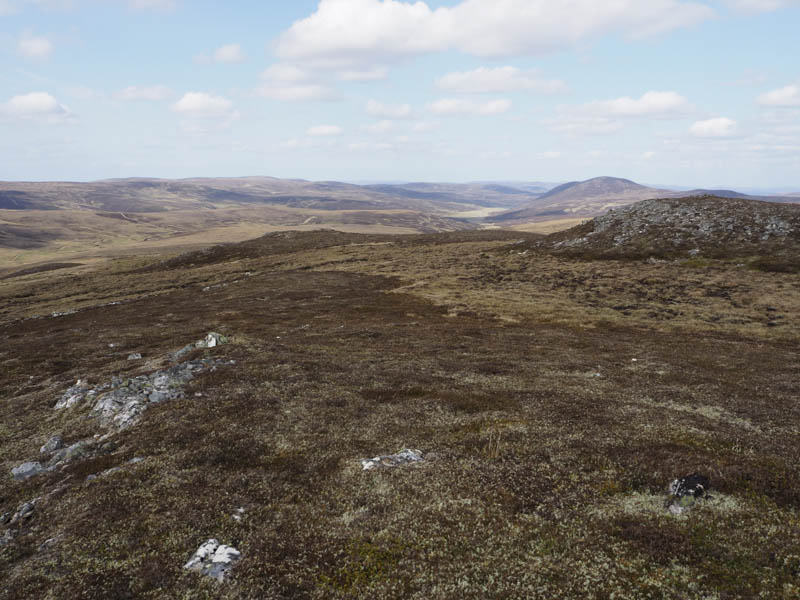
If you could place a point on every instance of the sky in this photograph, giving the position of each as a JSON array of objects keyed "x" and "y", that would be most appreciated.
[{"x": 672, "y": 92}]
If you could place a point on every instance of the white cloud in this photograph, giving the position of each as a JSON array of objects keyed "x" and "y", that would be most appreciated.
[
  {"x": 389, "y": 111},
  {"x": 651, "y": 104},
  {"x": 757, "y": 6},
  {"x": 451, "y": 107},
  {"x": 364, "y": 75},
  {"x": 34, "y": 47},
  {"x": 551, "y": 154},
  {"x": 381, "y": 127},
  {"x": 305, "y": 92},
  {"x": 359, "y": 32},
  {"x": 285, "y": 72},
  {"x": 785, "y": 96},
  {"x": 152, "y": 93},
  {"x": 36, "y": 106},
  {"x": 289, "y": 83},
  {"x": 718, "y": 127},
  {"x": 200, "y": 105},
  {"x": 425, "y": 127},
  {"x": 324, "y": 130},
  {"x": 572, "y": 124},
  {"x": 648, "y": 155},
  {"x": 230, "y": 54},
  {"x": 498, "y": 80}
]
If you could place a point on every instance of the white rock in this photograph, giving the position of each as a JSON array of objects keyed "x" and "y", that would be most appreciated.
[{"x": 392, "y": 460}]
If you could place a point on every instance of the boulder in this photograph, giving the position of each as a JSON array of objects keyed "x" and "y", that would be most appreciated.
[
  {"x": 135, "y": 356},
  {"x": 686, "y": 491},
  {"x": 26, "y": 470},
  {"x": 53, "y": 444},
  {"x": 391, "y": 460},
  {"x": 213, "y": 559}
]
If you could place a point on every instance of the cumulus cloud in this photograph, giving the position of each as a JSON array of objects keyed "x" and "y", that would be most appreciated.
[
  {"x": 229, "y": 53},
  {"x": 200, "y": 105},
  {"x": 289, "y": 83},
  {"x": 572, "y": 124},
  {"x": 785, "y": 96},
  {"x": 650, "y": 104},
  {"x": 356, "y": 32},
  {"x": 152, "y": 93},
  {"x": 324, "y": 130},
  {"x": 453, "y": 107},
  {"x": 35, "y": 106},
  {"x": 718, "y": 127},
  {"x": 389, "y": 111},
  {"x": 499, "y": 80},
  {"x": 34, "y": 47},
  {"x": 364, "y": 75}
]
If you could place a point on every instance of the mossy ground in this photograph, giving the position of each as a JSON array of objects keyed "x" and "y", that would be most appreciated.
[{"x": 549, "y": 447}]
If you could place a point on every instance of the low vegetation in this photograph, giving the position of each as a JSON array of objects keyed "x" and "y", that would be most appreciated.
[{"x": 553, "y": 397}]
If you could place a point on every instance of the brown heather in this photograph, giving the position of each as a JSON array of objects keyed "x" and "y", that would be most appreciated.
[{"x": 548, "y": 446}]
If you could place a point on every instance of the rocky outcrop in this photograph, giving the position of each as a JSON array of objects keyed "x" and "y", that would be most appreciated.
[
  {"x": 686, "y": 227},
  {"x": 214, "y": 560}
]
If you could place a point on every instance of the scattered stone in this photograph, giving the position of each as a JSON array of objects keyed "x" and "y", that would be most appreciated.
[
  {"x": 53, "y": 444},
  {"x": 237, "y": 516},
  {"x": 135, "y": 460},
  {"x": 135, "y": 356},
  {"x": 122, "y": 406},
  {"x": 24, "y": 512},
  {"x": 5, "y": 518},
  {"x": 74, "y": 395},
  {"x": 6, "y": 538},
  {"x": 213, "y": 560},
  {"x": 686, "y": 491},
  {"x": 48, "y": 542},
  {"x": 212, "y": 340},
  {"x": 26, "y": 470},
  {"x": 392, "y": 460}
]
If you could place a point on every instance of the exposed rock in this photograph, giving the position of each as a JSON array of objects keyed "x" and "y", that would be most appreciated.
[
  {"x": 135, "y": 356},
  {"x": 391, "y": 460},
  {"x": 213, "y": 560},
  {"x": 26, "y": 470},
  {"x": 686, "y": 491},
  {"x": 212, "y": 340},
  {"x": 74, "y": 452},
  {"x": 53, "y": 444},
  {"x": 24, "y": 512},
  {"x": 74, "y": 395},
  {"x": 123, "y": 405},
  {"x": 6, "y": 538}
]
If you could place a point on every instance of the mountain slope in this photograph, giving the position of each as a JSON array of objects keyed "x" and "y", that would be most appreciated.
[
  {"x": 696, "y": 226},
  {"x": 581, "y": 198}
]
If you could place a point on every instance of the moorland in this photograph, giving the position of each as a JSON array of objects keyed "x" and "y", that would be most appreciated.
[{"x": 554, "y": 386}]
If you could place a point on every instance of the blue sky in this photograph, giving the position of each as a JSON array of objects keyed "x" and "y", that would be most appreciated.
[{"x": 665, "y": 91}]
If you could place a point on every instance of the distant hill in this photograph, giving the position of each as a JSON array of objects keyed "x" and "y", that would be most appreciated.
[
  {"x": 486, "y": 195},
  {"x": 581, "y": 198},
  {"x": 683, "y": 227},
  {"x": 596, "y": 196}
]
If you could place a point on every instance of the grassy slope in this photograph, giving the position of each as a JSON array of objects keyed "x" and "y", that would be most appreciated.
[{"x": 551, "y": 446}]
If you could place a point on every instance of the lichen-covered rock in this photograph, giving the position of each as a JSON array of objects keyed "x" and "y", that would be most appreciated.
[
  {"x": 24, "y": 512},
  {"x": 135, "y": 356},
  {"x": 391, "y": 460},
  {"x": 26, "y": 470},
  {"x": 53, "y": 444},
  {"x": 212, "y": 340},
  {"x": 213, "y": 560},
  {"x": 686, "y": 491},
  {"x": 74, "y": 395},
  {"x": 122, "y": 406}
]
